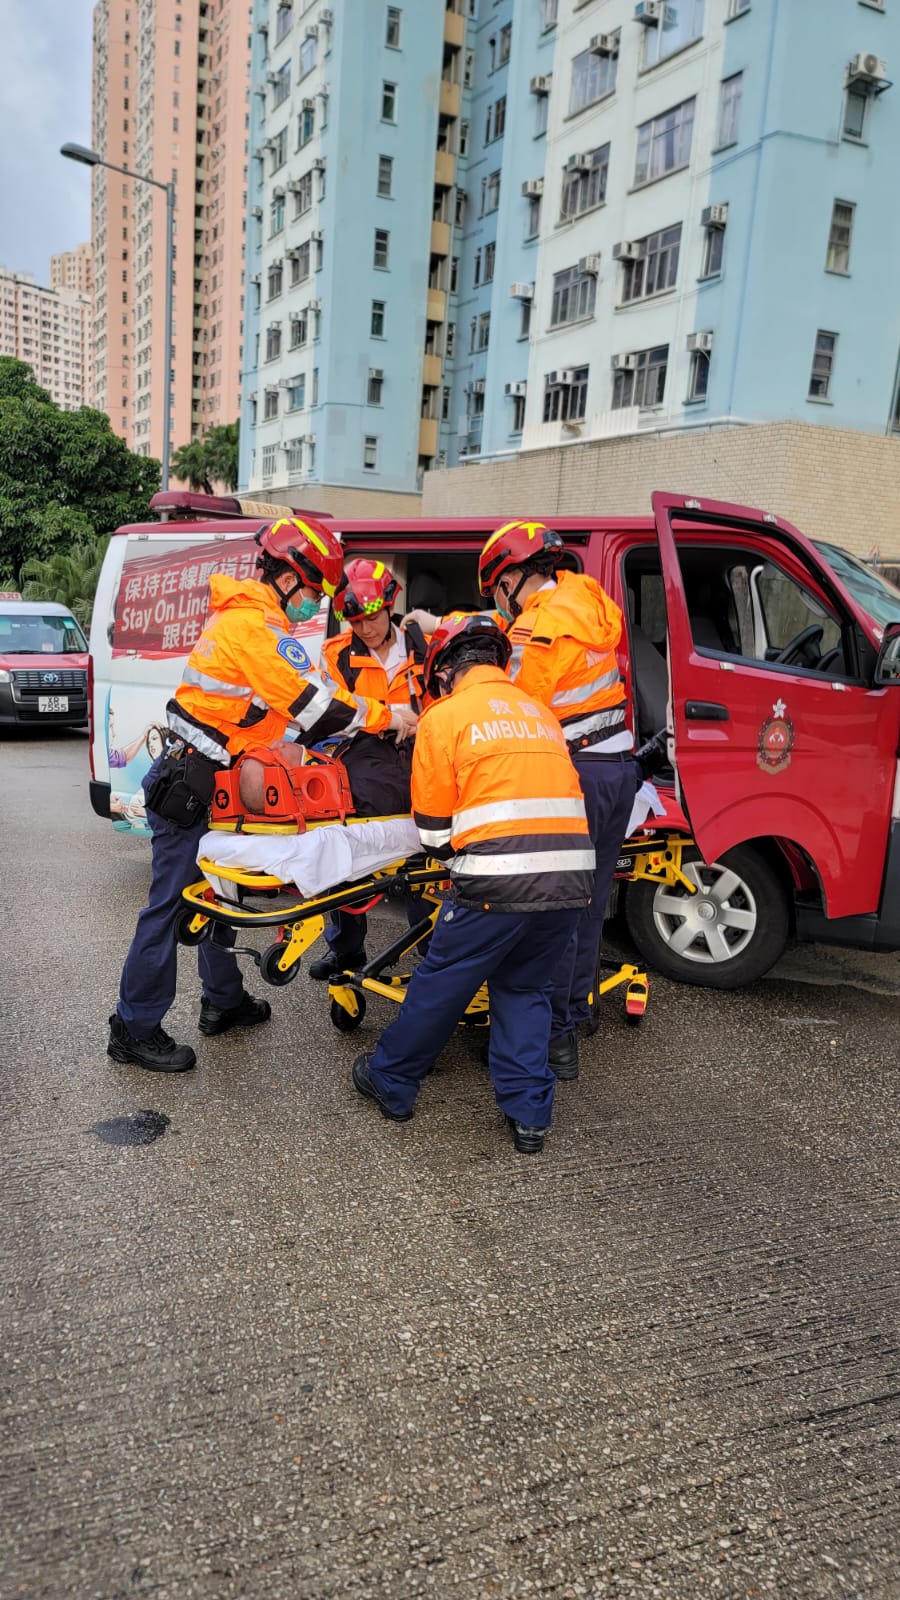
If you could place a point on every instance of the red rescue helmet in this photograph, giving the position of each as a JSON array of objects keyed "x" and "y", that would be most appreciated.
[
  {"x": 463, "y": 638},
  {"x": 309, "y": 547},
  {"x": 514, "y": 545},
  {"x": 369, "y": 588}
]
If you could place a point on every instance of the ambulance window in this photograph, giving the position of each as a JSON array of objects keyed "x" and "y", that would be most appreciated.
[{"x": 786, "y": 609}]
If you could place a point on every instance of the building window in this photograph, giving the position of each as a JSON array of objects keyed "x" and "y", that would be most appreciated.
[
  {"x": 464, "y": 138},
  {"x": 296, "y": 393},
  {"x": 565, "y": 395},
  {"x": 270, "y": 405},
  {"x": 525, "y": 318},
  {"x": 273, "y": 341},
  {"x": 385, "y": 176},
  {"x": 374, "y": 386},
  {"x": 276, "y": 215},
  {"x": 298, "y": 329},
  {"x": 656, "y": 268},
  {"x": 376, "y": 322},
  {"x": 275, "y": 281},
  {"x": 518, "y": 421},
  {"x": 476, "y": 269},
  {"x": 306, "y": 126},
  {"x": 283, "y": 20},
  {"x": 299, "y": 264},
  {"x": 315, "y": 388},
  {"x": 551, "y": 11},
  {"x": 382, "y": 248},
  {"x": 370, "y": 453},
  {"x": 490, "y": 255},
  {"x": 445, "y": 405},
  {"x": 643, "y": 382},
  {"x": 664, "y": 143},
  {"x": 574, "y": 294},
  {"x": 698, "y": 376},
  {"x": 450, "y": 341},
  {"x": 584, "y": 182},
  {"x": 541, "y": 115},
  {"x": 838, "y": 257},
  {"x": 483, "y": 334},
  {"x": 736, "y": 8},
  {"x": 593, "y": 76},
  {"x": 505, "y": 44},
  {"x": 490, "y": 193},
  {"x": 307, "y": 55},
  {"x": 392, "y": 28},
  {"x": 303, "y": 194},
  {"x": 459, "y": 208},
  {"x": 823, "y": 366},
  {"x": 454, "y": 274},
  {"x": 495, "y": 121},
  {"x": 294, "y": 455},
  {"x": 713, "y": 250},
  {"x": 389, "y": 102},
  {"x": 281, "y": 88},
  {"x": 278, "y": 152},
  {"x": 468, "y": 69},
  {"x": 680, "y": 25},
  {"x": 856, "y": 109},
  {"x": 269, "y": 456},
  {"x": 729, "y": 110}
]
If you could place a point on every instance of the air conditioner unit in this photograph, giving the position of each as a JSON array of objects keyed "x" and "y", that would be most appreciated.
[
  {"x": 324, "y": 92},
  {"x": 580, "y": 163},
  {"x": 541, "y": 84},
  {"x": 561, "y": 379},
  {"x": 628, "y": 250},
  {"x": 652, "y": 12},
  {"x": 272, "y": 77},
  {"x": 317, "y": 235},
  {"x": 377, "y": 373},
  {"x": 701, "y": 341},
  {"x": 256, "y": 277},
  {"x": 589, "y": 266},
  {"x": 285, "y": 383},
  {"x": 714, "y": 216},
  {"x": 533, "y": 188},
  {"x": 309, "y": 438},
  {"x": 326, "y": 18},
  {"x": 516, "y": 391},
  {"x": 312, "y": 32},
  {"x": 604, "y": 44},
  {"x": 295, "y": 185},
  {"x": 478, "y": 386},
  {"x": 314, "y": 305},
  {"x": 319, "y": 164},
  {"x": 262, "y": 27},
  {"x": 257, "y": 212},
  {"x": 624, "y": 363},
  {"x": 278, "y": 192},
  {"x": 867, "y": 69},
  {"x": 271, "y": 143},
  {"x": 521, "y": 291},
  {"x": 259, "y": 88},
  {"x": 307, "y": 105}
]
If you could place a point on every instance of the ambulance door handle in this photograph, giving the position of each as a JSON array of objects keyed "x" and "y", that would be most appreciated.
[{"x": 705, "y": 711}]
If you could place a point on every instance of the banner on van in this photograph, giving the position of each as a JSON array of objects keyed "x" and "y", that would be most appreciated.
[{"x": 163, "y": 599}]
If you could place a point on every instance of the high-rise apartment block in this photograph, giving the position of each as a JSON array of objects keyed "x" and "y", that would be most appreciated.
[
  {"x": 50, "y": 329},
  {"x": 642, "y": 215},
  {"x": 170, "y": 101},
  {"x": 73, "y": 269}
]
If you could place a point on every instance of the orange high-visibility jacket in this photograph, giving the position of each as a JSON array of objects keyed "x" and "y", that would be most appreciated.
[
  {"x": 350, "y": 664},
  {"x": 246, "y": 679},
  {"x": 564, "y": 654},
  {"x": 494, "y": 790}
]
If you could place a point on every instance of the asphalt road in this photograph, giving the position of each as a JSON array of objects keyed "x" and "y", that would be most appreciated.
[{"x": 291, "y": 1350}]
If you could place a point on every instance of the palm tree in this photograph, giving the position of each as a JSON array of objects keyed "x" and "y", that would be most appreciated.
[
  {"x": 222, "y": 444},
  {"x": 189, "y": 463},
  {"x": 70, "y": 578}
]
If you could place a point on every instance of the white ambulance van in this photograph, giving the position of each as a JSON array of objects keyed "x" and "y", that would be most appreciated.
[{"x": 150, "y": 607}]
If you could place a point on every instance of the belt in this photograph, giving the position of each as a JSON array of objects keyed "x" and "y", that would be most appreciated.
[
  {"x": 600, "y": 755},
  {"x": 585, "y": 745}
]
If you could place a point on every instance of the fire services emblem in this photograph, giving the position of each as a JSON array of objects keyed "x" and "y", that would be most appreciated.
[{"x": 776, "y": 740}]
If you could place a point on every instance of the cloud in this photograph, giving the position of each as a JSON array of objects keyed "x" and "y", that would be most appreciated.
[{"x": 46, "y": 99}]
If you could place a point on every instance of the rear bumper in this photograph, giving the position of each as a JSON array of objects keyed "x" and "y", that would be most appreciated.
[
  {"x": 876, "y": 931},
  {"x": 100, "y": 793}
]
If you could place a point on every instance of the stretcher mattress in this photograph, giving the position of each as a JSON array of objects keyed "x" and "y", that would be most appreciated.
[{"x": 315, "y": 861}]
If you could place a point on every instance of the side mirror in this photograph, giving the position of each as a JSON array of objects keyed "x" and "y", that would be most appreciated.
[{"x": 887, "y": 667}]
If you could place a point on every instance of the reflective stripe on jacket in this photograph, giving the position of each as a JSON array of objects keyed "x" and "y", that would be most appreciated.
[
  {"x": 495, "y": 792},
  {"x": 247, "y": 679},
  {"x": 350, "y": 664},
  {"x": 564, "y": 654}
]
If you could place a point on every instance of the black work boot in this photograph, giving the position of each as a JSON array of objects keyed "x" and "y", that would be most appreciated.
[
  {"x": 248, "y": 1013},
  {"x": 528, "y": 1141},
  {"x": 363, "y": 1083},
  {"x": 157, "y": 1053},
  {"x": 332, "y": 965},
  {"x": 562, "y": 1055}
]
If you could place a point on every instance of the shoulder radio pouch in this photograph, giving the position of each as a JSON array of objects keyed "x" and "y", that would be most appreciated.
[{"x": 183, "y": 788}]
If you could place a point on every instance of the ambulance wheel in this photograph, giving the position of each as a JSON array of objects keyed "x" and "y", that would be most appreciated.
[
  {"x": 343, "y": 1021},
  {"x": 185, "y": 934},
  {"x": 727, "y": 934},
  {"x": 269, "y": 969}
]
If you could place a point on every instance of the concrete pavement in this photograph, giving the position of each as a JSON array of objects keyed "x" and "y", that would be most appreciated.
[{"x": 289, "y": 1349}]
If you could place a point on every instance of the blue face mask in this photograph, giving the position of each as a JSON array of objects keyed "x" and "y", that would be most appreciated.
[{"x": 302, "y": 613}]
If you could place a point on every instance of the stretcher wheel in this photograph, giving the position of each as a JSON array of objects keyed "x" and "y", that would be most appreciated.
[
  {"x": 343, "y": 1020},
  {"x": 185, "y": 934},
  {"x": 269, "y": 969}
]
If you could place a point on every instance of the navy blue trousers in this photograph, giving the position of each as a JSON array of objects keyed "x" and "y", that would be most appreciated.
[
  {"x": 516, "y": 955},
  {"x": 609, "y": 788},
  {"x": 346, "y": 931},
  {"x": 149, "y": 976}
]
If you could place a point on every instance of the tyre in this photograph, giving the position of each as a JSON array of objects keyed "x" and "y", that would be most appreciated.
[
  {"x": 731, "y": 932},
  {"x": 343, "y": 1021},
  {"x": 185, "y": 934},
  {"x": 269, "y": 969}
]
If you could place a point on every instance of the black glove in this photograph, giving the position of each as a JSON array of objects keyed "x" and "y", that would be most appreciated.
[{"x": 654, "y": 755}]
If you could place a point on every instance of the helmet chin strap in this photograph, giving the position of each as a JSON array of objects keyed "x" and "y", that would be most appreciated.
[{"x": 512, "y": 597}]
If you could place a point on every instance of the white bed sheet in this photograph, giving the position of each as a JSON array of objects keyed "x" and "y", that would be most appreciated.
[{"x": 315, "y": 861}]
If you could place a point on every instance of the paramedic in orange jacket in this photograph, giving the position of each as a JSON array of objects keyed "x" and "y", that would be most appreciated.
[
  {"x": 247, "y": 681},
  {"x": 495, "y": 793},
  {"x": 564, "y": 630},
  {"x": 376, "y": 658}
]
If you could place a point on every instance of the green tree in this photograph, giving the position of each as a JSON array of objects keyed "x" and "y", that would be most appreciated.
[
  {"x": 68, "y": 576},
  {"x": 64, "y": 475},
  {"x": 210, "y": 460}
]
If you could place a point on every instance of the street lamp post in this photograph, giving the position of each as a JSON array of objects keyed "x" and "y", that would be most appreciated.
[{"x": 90, "y": 158}]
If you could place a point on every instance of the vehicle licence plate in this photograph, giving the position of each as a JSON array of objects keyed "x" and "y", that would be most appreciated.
[{"x": 53, "y": 702}]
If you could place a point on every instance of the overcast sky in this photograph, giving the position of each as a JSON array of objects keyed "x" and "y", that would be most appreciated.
[{"x": 45, "y": 99}]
